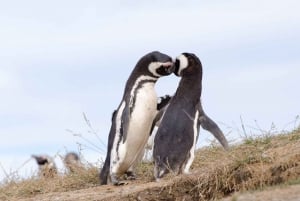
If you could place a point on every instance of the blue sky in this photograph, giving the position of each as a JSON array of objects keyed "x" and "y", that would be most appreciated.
[{"x": 59, "y": 59}]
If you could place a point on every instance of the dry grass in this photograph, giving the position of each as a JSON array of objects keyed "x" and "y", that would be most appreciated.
[
  {"x": 83, "y": 178},
  {"x": 255, "y": 164}
]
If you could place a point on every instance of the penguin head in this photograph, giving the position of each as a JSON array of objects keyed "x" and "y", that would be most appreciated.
[
  {"x": 72, "y": 162},
  {"x": 42, "y": 160},
  {"x": 187, "y": 63},
  {"x": 157, "y": 63},
  {"x": 71, "y": 158}
]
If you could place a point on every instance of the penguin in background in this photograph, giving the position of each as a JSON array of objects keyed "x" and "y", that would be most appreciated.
[
  {"x": 47, "y": 167},
  {"x": 162, "y": 103},
  {"x": 132, "y": 121},
  {"x": 176, "y": 137},
  {"x": 72, "y": 162}
]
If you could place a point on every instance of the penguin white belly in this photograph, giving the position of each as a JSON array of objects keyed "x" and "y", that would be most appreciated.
[{"x": 139, "y": 127}]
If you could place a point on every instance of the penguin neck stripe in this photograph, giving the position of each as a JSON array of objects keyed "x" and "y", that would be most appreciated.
[{"x": 137, "y": 84}]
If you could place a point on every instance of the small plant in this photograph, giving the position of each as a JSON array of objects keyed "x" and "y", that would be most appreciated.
[{"x": 89, "y": 144}]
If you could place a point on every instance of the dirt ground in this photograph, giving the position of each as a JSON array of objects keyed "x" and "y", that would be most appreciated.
[
  {"x": 287, "y": 193},
  {"x": 106, "y": 192},
  {"x": 144, "y": 191}
]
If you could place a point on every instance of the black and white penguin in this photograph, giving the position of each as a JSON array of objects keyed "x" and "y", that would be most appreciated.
[
  {"x": 176, "y": 137},
  {"x": 131, "y": 122},
  {"x": 47, "y": 167}
]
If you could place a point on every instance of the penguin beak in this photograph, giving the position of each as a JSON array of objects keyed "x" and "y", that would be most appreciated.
[
  {"x": 169, "y": 67},
  {"x": 176, "y": 68}
]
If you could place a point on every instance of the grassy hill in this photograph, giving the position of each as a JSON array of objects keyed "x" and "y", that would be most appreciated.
[{"x": 258, "y": 164}]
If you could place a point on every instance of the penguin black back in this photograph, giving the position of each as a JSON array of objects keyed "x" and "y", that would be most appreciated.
[{"x": 175, "y": 139}]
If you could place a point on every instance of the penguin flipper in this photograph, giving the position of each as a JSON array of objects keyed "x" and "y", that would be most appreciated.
[{"x": 209, "y": 125}]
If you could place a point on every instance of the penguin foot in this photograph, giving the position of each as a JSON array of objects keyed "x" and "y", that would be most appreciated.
[
  {"x": 115, "y": 180},
  {"x": 157, "y": 179},
  {"x": 187, "y": 172},
  {"x": 130, "y": 175},
  {"x": 159, "y": 173},
  {"x": 121, "y": 183}
]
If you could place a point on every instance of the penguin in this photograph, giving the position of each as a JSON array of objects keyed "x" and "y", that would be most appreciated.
[
  {"x": 72, "y": 162},
  {"x": 47, "y": 167},
  {"x": 176, "y": 137},
  {"x": 131, "y": 122}
]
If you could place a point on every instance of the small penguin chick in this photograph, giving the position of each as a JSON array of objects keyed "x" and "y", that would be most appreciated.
[{"x": 47, "y": 167}]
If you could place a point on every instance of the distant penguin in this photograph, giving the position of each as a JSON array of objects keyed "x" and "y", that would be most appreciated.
[
  {"x": 47, "y": 167},
  {"x": 72, "y": 162},
  {"x": 176, "y": 137},
  {"x": 131, "y": 122}
]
